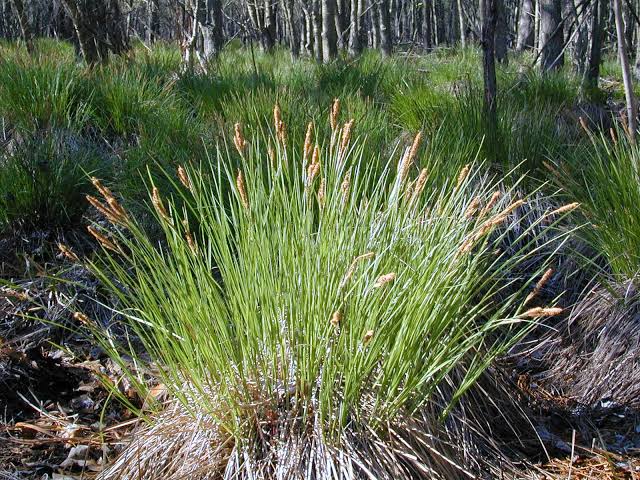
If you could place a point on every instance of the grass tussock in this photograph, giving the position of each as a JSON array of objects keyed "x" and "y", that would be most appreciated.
[{"x": 322, "y": 302}]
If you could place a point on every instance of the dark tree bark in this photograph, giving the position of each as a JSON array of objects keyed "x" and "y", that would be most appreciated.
[
  {"x": 551, "y": 35},
  {"x": 427, "y": 24},
  {"x": 502, "y": 33},
  {"x": 386, "y": 45},
  {"x": 526, "y": 26},
  {"x": 262, "y": 15},
  {"x": 25, "y": 26},
  {"x": 211, "y": 29},
  {"x": 595, "y": 48}
]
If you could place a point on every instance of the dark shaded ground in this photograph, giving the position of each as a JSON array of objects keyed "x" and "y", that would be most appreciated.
[{"x": 56, "y": 416}]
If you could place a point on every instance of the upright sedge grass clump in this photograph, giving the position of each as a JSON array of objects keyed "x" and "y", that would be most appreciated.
[
  {"x": 605, "y": 179},
  {"x": 312, "y": 310}
]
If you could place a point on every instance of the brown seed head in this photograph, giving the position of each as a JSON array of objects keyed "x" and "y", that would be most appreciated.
[
  {"x": 82, "y": 318},
  {"x": 367, "y": 337},
  {"x": 384, "y": 279},
  {"x": 67, "y": 252},
  {"x": 11, "y": 293},
  {"x": 336, "y": 319},
  {"x": 352, "y": 267},
  {"x": 322, "y": 193},
  {"x": 277, "y": 116},
  {"x": 409, "y": 157},
  {"x": 315, "y": 158},
  {"x": 421, "y": 181},
  {"x": 272, "y": 155},
  {"x": 308, "y": 144},
  {"x": 472, "y": 208},
  {"x": 583, "y": 124},
  {"x": 242, "y": 190},
  {"x": 104, "y": 191},
  {"x": 464, "y": 173},
  {"x": 103, "y": 209},
  {"x": 502, "y": 216},
  {"x": 546, "y": 276},
  {"x": 239, "y": 140},
  {"x": 346, "y": 136},
  {"x": 103, "y": 240},
  {"x": 158, "y": 205},
  {"x": 345, "y": 187},
  {"x": 184, "y": 178},
  {"x": 312, "y": 172},
  {"x": 538, "y": 312},
  {"x": 564, "y": 209},
  {"x": 335, "y": 113},
  {"x": 491, "y": 203}
]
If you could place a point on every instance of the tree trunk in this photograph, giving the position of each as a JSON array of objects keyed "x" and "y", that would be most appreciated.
[
  {"x": 212, "y": 29},
  {"x": 294, "y": 34},
  {"x": 355, "y": 46},
  {"x": 501, "y": 34},
  {"x": 637, "y": 63},
  {"x": 461, "y": 24},
  {"x": 385, "y": 27},
  {"x": 317, "y": 30},
  {"x": 340, "y": 22},
  {"x": 626, "y": 72},
  {"x": 25, "y": 27},
  {"x": 88, "y": 45},
  {"x": 489, "y": 15},
  {"x": 525, "y": 26},
  {"x": 427, "y": 24},
  {"x": 551, "y": 37},
  {"x": 595, "y": 48}
]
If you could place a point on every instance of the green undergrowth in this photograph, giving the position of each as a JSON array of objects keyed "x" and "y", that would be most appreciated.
[{"x": 147, "y": 113}]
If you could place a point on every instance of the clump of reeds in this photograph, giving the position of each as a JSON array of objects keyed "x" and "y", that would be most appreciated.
[{"x": 314, "y": 299}]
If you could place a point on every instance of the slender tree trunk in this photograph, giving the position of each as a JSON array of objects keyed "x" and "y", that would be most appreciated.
[
  {"x": 637, "y": 63},
  {"x": 309, "y": 32},
  {"x": 427, "y": 24},
  {"x": 355, "y": 46},
  {"x": 340, "y": 22},
  {"x": 212, "y": 29},
  {"x": 626, "y": 72},
  {"x": 489, "y": 15},
  {"x": 595, "y": 47},
  {"x": 317, "y": 29},
  {"x": 374, "y": 15},
  {"x": 581, "y": 36},
  {"x": 551, "y": 35},
  {"x": 501, "y": 34},
  {"x": 329, "y": 44},
  {"x": 294, "y": 41},
  {"x": 25, "y": 27},
  {"x": 461, "y": 24},
  {"x": 526, "y": 26},
  {"x": 385, "y": 27}
]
